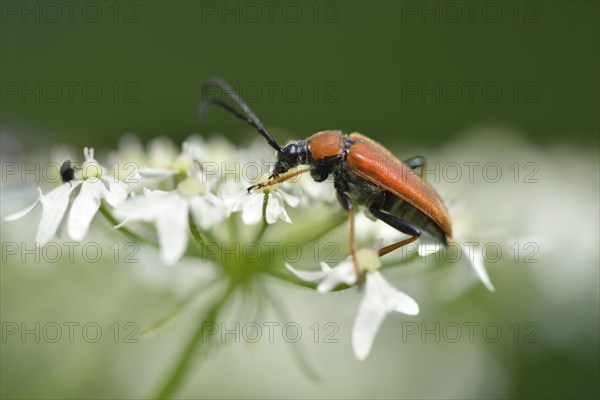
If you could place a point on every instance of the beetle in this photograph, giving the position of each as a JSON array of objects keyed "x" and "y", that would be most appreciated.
[
  {"x": 364, "y": 173},
  {"x": 67, "y": 171}
]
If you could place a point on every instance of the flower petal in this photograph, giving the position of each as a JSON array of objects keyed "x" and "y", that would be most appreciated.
[
  {"x": 169, "y": 211},
  {"x": 173, "y": 232},
  {"x": 233, "y": 196},
  {"x": 343, "y": 273},
  {"x": 155, "y": 173},
  {"x": 252, "y": 209},
  {"x": 276, "y": 209},
  {"x": 371, "y": 314},
  {"x": 308, "y": 276},
  {"x": 117, "y": 191},
  {"x": 395, "y": 300},
  {"x": 84, "y": 207},
  {"x": 23, "y": 212},
  {"x": 145, "y": 208},
  {"x": 477, "y": 262},
  {"x": 54, "y": 205},
  {"x": 207, "y": 210},
  {"x": 293, "y": 201},
  {"x": 380, "y": 298}
]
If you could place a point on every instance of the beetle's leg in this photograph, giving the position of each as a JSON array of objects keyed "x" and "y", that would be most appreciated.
[
  {"x": 279, "y": 179},
  {"x": 399, "y": 224},
  {"x": 417, "y": 162},
  {"x": 346, "y": 202}
]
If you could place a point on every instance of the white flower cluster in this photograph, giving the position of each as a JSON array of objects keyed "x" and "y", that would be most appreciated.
[
  {"x": 197, "y": 188},
  {"x": 164, "y": 187}
]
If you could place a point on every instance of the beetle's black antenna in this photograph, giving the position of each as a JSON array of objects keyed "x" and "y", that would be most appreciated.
[{"x": 250, "y": 118}]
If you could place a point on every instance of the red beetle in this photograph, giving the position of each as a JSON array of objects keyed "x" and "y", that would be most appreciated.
[{"x": 364, "y": 173}]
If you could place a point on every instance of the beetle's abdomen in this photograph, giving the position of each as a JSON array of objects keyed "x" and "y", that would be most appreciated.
[{"x": 407, "y": 212}]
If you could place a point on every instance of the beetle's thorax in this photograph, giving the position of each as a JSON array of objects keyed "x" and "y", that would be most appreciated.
[
  {"x": 326, "y": 152},
  {"x": 323, "y": 151},
  {"x": 325, "y": 144}
]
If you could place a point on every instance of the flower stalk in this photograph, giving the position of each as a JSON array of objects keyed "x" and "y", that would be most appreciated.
[{"x": 193, "y": 347}]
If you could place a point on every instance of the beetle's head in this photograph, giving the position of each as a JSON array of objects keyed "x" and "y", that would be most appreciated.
[{"x": 290, "y": 156}]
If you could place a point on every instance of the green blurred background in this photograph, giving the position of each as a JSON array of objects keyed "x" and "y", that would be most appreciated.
[
  {"x": 542, "y": 55},
  {"x": 401, "y": 72}
]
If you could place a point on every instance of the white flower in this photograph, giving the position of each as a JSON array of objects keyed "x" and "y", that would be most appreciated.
[
  {"x": 164, "y": 164},
  {"x": 233, "y": 171},
  {"x": 379, "y": 300},
  {"x": 475, "y": 257},
  {"x": 96, "y": 185},
  {"x": 144, "y": 169},
  {"x": 161, "y": 152},
  {"x": 251, "y": 204},
  {"x": 170, "y": 212},
  {"x": 463, "y": 228},
  {"x": 215, "y": 150},
  {"x": 328, "y": 277},
  {"x": 125, "y": 162},
  {"x": 314, "y": 192},
  {"x": 380, "y": 297}
]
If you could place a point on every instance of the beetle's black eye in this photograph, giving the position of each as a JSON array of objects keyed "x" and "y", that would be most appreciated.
[{"x": 293, "y": 149}]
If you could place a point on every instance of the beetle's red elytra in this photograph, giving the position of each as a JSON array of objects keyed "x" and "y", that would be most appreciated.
[
  {"x": 364, "y": 173},
  {"x": 375, "y": 163}
]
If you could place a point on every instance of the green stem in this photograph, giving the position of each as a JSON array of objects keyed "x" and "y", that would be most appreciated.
[
  {"x": 232, "y": 226},
  {"x": 197, "y": 235},
  {"x": 321, "y": 229},
  {"x": 199, "y": 337},
  {"x": 265, "y": 224},
  {"x": 179, "y": 307},
  {"x": 287, "y": 276},
  {"x": 298, "y": 351},
  {"x": 126, "y": 231}
]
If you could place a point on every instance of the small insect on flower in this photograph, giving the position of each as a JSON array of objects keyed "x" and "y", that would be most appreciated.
[
  {"x": 95, "y": 185},
  {"x": 364, "y": 173},
  {"x": 67, "y": 172}
]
